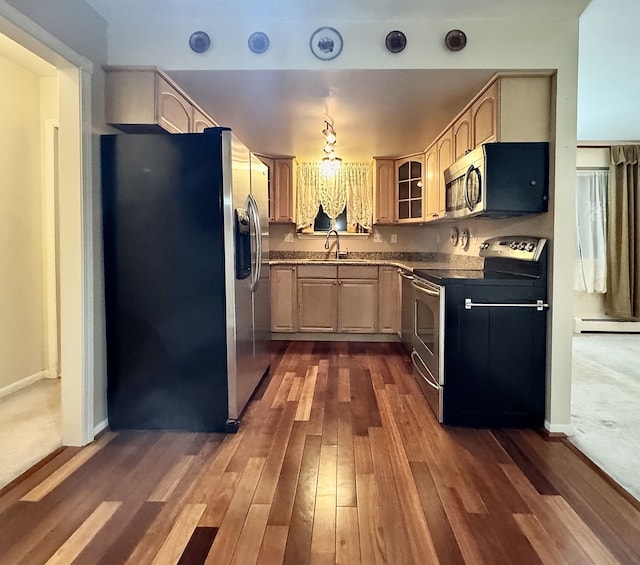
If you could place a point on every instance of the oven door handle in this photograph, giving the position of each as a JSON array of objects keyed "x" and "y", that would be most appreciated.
[
  {"x": 539, "y": 305},
  {"x": 423, "y": 289},
  {"x": 430, "y": 379}
]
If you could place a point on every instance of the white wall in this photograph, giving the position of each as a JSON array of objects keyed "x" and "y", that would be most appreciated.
[
  {"x": 21, "y": 243},
  {"x": 608, "y": 84}
]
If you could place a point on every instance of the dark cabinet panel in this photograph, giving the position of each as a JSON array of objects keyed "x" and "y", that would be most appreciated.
[{"x": 494, "y": 357}]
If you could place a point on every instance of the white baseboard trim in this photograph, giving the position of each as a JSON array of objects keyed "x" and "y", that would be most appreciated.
[
  {"x": 604, "y": 325},
  {"x": 100, "y": 426},
  {"x": 566, "y": 429},
  {"x": 23, "y": 383}
]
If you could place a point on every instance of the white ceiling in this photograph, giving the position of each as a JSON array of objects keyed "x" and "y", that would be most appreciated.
[{"x": 374, "y": 112}]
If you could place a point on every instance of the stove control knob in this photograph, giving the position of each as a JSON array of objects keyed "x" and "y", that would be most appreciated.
[
  {"x": 522, "y": 245},
  {"x": 513, "y": 245},
  {"x": 530, "y": 247}
]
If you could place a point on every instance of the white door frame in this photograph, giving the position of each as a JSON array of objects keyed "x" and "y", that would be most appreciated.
[
  {"x": 77, "y": 301},
  {"x": 50, "y": 242}
]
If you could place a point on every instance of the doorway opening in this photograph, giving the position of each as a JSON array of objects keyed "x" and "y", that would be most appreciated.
[{"x": 54, "y": 249}]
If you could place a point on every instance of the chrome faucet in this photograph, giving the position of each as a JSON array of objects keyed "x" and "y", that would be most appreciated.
[{"x": 338, "y": 252}]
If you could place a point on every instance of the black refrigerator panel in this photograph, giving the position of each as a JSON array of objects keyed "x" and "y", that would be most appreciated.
[{"x": 164, "y": 281}]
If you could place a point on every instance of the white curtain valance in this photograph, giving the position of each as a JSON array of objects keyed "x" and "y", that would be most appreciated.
[{"x": 349, "y": 185}]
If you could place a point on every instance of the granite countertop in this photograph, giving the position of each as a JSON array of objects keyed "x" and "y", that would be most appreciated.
[{"x": 406, "y": 261}]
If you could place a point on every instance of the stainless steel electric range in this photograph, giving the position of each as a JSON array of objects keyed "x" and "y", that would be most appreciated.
[{"x": 479, "y": 343}]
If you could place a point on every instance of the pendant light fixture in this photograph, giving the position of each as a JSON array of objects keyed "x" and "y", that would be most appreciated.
[{"x": 330, "y": 162}]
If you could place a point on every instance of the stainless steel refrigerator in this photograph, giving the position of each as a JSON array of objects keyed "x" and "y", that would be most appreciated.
[{"x": 186, "y": 245}]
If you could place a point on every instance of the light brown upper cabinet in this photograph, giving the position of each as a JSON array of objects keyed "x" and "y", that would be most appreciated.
[
  {"x": 445, "y": 160},
  {"x": 385, "y": 191},
  {"x": 201, "y": 121},
  {"x": 484, "y": 115},
  {"x": 437, "y": 158},
  {"x": 432, "y": 183},
  {"x": 410, "y": 185},
  {"x": 513, "y": 108},
  {"x": 462, "y": 140},
  {"x": 281, "y": 188},
  {"x": 145, "y": 100}
]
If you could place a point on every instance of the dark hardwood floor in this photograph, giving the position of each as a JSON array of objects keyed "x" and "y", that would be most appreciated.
[{"x": 338, "y": 460}]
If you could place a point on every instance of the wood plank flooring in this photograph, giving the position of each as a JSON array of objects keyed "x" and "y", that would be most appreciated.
[{"x": 338, "y": 460}]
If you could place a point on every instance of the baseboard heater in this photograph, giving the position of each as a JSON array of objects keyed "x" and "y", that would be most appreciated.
[{"x": 610, "y": 325}]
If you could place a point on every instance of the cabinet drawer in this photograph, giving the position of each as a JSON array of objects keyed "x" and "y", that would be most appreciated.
[
  {"x": 317, "y": 271},
  {"x": 357, "y": 272}
]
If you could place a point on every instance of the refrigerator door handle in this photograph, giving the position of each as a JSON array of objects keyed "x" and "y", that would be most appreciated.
[{"x": 254, "y": 215}]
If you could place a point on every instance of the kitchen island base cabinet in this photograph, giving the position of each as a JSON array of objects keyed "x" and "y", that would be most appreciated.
[{"x": 495, "y": 360}]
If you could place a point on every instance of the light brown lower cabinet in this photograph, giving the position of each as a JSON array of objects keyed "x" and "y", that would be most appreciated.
[
  {"x": 334, "y": 299},
  {"x": 357, "y": 306},
  {"x": 389, "y": 300},
  {"x": 283, "y": 298},
  {"x": 317, "y": 305}
]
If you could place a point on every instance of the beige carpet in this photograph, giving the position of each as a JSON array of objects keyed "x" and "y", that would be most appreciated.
[
  {"x": 30, "y": 427},
  {"x": 605, "y": 404}
]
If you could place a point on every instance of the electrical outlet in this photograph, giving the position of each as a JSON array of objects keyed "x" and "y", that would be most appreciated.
[
  {"x": 288, "y": 237},
  {"x": 377, "y": 237},
  {"x": 394, "y": 238}
]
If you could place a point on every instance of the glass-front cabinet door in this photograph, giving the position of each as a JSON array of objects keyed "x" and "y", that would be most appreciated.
[{"x": 410, "y": 185}]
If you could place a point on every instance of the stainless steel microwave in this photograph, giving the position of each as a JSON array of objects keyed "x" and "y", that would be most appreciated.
[{"x": 499, "y": 180}]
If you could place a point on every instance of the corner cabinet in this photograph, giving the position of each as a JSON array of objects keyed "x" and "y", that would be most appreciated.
[{"x": 145, "y": 100}]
